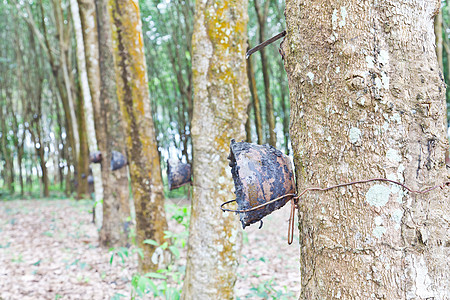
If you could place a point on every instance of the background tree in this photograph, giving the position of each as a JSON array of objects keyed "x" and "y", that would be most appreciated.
[
  {"x": 133, "y": 96},
  {"x": 220, "y": 108},
  {"x": 368, "y": 101},
  {"x": 88, "y": 107},
  {"x": 116, "y": 208},
  {"x": 262, "y": 12}
]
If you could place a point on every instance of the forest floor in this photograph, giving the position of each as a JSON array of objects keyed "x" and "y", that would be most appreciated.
[{"x": 49, "y": 250}]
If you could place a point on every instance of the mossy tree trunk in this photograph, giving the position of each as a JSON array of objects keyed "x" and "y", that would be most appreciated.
[
  {"x": 220, "y": 110},
  {"x": 108, "y": 125},
  {"x": 133, "y": 96},
  {"x": 116, "y": 207},
  {"x": 367, "y": 100}
]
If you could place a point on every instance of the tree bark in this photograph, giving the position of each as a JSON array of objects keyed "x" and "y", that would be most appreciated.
[
  {"x": 367, "y": 101},
  {"x": 6, "y": 153},
  {"x": 82, "y": 162},
  {"x": 116, "y": 208},
  {"x": 220, "y": 104},
  {"x": 88, "y": 109},
  {"x": 439, "y": 42},
  {"x": 248, "y": 126},
  {"x": 133, "y": 96},
  {"x": 270, "y": 117}
]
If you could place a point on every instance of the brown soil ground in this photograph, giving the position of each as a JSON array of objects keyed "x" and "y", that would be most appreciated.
[{"x": 49, "y": 250}]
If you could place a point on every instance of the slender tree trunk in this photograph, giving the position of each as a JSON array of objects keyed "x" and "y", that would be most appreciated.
[
  {"x": 255, "y": 100},
  {"x": 42, "y": 163},
  {"x": 220, "y": 105},
  {"x": 6, "y": 153},
  {"x": 82, "y": 167},
  {"x": 284, "y": 107},
  {"x": 116, "y": 208},
  {"x": 248, "y": 126},
  {"x": 270, "y": 117},
  {"x": 19, "y": 162},
  {"x": 18, "y": 139},
  {"x": 133, "y": 96},
  {"x": 367, "y": 101},
  {"x": 439, "y": 42},
  {"x": 88, "y": 109},
  {"x": 60, "y": 141}
]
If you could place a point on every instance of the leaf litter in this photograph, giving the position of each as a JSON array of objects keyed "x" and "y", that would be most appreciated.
[{"x": 49, "y": 250}]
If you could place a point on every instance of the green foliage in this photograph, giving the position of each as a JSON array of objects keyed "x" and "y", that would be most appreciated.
[
  {"x": 118, "y": 296},
  {"x": 446, "y": 41},
  {"x": 165, "y": 283},
  {"x": 268, "y": 290},
  {"x": 158, "y": 283},
  {"x": 124, "y": 253},
  {"x": 33, "y": 192}
]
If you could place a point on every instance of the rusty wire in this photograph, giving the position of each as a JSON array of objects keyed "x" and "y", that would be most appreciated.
[
  {"x": 265, "y": 43},
  {"x": 294, "y": 198}
]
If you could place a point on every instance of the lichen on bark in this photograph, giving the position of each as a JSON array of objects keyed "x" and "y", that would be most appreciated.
[
  {"x": 220, "y": 102},
  {"x": 143, "y": 158},
  {"x": 367, "y": 100}
]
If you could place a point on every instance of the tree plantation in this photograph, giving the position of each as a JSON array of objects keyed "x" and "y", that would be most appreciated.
[{"x": 224, "y": 149}]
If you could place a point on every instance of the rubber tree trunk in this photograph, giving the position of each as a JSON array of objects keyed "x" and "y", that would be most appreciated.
[
  {"x": 42, "y": 162},
  {"x": 284, "y": 106},
  {"x": 220, "y": 110},
  {"x": 116, "y": 207},
  {"x": 439, "y": 40},
  {"x": 6, "y": 152},
  {"x": 88, "y": 109},
  {"x": 368, "y": 101},
  {"x": 133, "y": 96},
  {"x": 262, "y": 14},
  {"x": 82, "y": 162}
]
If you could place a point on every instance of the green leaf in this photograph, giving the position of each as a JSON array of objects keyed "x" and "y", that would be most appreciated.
[
  {"x": 140, "y": 252},
  {"x": 164, "y": 246},
  {"x": 175, "y": 251},
  {"x": 154, "y": 288},
  {"x": 121, "y": 256},
  {"x": 168, "y": 234},
  {"x": 37, "y": 263},
  {"x": 151, "y": 242},
  {"x": 172, "y": 294}
]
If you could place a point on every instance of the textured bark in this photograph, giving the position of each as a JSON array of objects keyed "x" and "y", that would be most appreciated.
[
  {"x": 439, "y": 43},
  {"x": 91, "y": 48},
  {"x": 284, "y": 107},
  {"x": 220, "y": 105},
  {"x": 116, "y": 208},
  {"x": 83, "y": 154},
  {"x": 133, "y": 96},
  {"x": 88, "y": 109},
  {"x": 367, "y": 101},
  {"x": 255, "y": 100}
]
